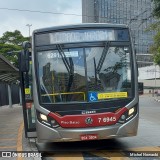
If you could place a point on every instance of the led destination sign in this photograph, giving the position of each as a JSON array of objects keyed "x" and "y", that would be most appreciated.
[
  {"x": 82, "y": 36},
  {"x": 87, "y": 35}
]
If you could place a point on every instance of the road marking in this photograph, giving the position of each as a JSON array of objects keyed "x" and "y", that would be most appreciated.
[
  {"x": 153, "y": 148},
  {"x": 7, "y": 147},
  {"x": 111, "y": 155},
  {"x": 68, "y": 156},
  {"x": 120, "y": 154},
  {"x": 19, "y": 140},
  {"x": 105, "y": 154}
]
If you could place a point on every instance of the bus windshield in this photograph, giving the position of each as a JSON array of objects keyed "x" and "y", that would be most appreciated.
[{"x": 86, "y": 74}]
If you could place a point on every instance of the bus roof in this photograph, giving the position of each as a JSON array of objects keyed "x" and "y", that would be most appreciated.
[{"x": 81, "y": 25}]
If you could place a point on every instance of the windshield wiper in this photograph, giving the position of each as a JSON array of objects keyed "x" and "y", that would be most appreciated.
[
  {"x": 103, "y": 56},
  {"x": 71, "y": 74},
  {"x": 95, "y": 70},
  {"x": 64, "y": 58},
  {"x": 69, "y": 66}
]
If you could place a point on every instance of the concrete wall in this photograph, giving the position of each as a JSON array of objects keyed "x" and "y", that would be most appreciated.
[
  {"x": 149, "y": 72},
  {"x": 152, "y": 83}
]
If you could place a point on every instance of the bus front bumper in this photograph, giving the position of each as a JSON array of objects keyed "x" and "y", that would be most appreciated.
[{"x": 47, "y": 134}]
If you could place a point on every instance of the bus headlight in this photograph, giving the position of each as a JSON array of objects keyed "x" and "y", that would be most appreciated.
[
  {"x": 131, "y": 111},
  {"x": 43, "y": 117},
  {"x": 127, "y": 115}
]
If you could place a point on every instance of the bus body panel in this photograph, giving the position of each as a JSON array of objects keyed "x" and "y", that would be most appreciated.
[{"x": 78, "y": 26}]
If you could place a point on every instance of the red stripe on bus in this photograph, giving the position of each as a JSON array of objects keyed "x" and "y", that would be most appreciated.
[{"x": 88, "y": 120}]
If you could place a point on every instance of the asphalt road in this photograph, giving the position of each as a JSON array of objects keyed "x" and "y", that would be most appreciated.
[{"x": 148, "y": 139}]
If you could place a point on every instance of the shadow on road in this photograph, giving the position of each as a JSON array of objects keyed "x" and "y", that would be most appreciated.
[{"x": 110, "y": 144}]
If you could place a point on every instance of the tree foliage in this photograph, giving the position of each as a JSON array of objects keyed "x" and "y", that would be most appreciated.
[
  {"x": 155, "y": 48},
  {"x": 156, "y": 10},
  {"x": 10, "y": 45}
]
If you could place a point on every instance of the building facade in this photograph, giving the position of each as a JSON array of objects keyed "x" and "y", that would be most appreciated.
[{"x": 135, "y": 13}]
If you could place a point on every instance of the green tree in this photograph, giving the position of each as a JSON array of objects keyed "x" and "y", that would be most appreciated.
[
  {"x": 10, "y": 44},
  {"x": 155, "y": 48},
  {"x": 156, "y": 10}
]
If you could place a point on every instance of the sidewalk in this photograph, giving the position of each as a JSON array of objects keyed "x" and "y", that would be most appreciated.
[
  {"x": 157, "y": 98},
  {"x": 12, "y": 132}
]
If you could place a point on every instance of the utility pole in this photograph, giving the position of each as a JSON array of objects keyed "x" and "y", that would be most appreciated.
[
  {"x": 155, "y": 79},
  {"x": 29, "y": 26}
]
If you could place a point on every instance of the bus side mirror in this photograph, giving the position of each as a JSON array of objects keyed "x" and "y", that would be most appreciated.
[
  {"x": 24, "y": 61},
  {"x": 24, "y": 57}
]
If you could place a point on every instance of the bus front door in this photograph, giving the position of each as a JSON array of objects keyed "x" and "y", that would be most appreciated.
[{"x": 27, "y": 103}]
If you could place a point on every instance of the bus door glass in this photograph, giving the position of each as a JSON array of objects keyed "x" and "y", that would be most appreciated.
[{"x": 28, "y": 105}]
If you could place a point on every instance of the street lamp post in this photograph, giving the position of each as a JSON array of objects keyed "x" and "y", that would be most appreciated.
[
  {"x": 155, "y": 80},
  {"x": 29, "y": 26}
]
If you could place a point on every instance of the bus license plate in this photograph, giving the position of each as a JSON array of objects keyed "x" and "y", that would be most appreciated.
[{"x": 88, "y": 137}]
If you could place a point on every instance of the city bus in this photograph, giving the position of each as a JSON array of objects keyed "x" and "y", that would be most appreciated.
[{"x": 79, "y": 76}]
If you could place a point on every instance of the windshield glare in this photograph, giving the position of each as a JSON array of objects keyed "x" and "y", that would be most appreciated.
[{"x": 84, "y": 74}]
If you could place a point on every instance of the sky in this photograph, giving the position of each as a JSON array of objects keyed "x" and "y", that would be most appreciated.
[{"x": 11, "y": 20}]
